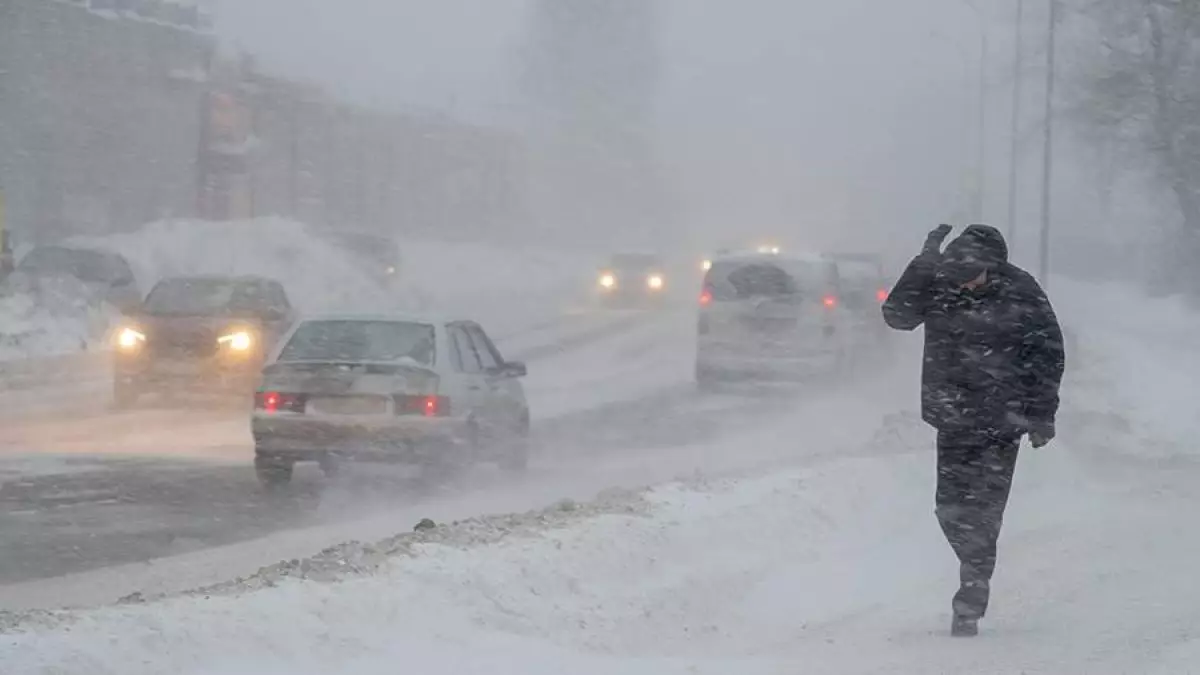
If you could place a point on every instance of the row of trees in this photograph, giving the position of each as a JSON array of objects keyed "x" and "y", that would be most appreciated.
[{"x": 1140, "y": 102}]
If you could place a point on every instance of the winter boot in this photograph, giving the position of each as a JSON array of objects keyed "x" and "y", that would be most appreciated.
[
  {"x": 969, "y": 605},
  {"x": 964, "y": 626}
]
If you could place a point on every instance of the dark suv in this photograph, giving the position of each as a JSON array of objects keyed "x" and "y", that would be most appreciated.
[
  {"x": 210, "y": 333},
  {"x": 106, "y": 276}
]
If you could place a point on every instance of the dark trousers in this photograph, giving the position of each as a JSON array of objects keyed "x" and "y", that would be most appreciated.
[{"x": 974, "y": 476}]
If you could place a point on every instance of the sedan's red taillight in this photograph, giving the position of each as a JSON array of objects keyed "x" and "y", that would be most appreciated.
[
  {"x": 274, "y": 402},
  {"x": 706, "y": 297},
  {"x": 427, "y": 406},
  {"x": 829, "y": 301}
]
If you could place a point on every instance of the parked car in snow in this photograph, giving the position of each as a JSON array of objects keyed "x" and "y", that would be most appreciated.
[
  {"x": 396, "y": 389},
  {"x": 632, "y": 279},
  {"x": 206, "y": 332},
  {"x": 775, "y": 317},
  {"x": 106, "y": 276}
]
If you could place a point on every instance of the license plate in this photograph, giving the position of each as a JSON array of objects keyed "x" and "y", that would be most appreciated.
[{"x": 350, "y": 405}]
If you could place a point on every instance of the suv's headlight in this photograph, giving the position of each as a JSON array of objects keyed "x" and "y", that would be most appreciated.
[
  {"x": 129, "y": 338},
  {"x": 238, "y": 341},
  {"x": 655, "y": 282}
]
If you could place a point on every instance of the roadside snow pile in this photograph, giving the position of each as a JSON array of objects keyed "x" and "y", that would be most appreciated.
[
  {"x": 506, "y": 287},
  {"x": 318, "y": 277},
  {"x": 1136, "y": 369},
  {"x": 32, "y": 329},
  {"x": 477, "y": 280}
]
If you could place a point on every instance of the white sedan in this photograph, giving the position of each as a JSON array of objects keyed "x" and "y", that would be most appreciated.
[{"x": 395, "y": 388}]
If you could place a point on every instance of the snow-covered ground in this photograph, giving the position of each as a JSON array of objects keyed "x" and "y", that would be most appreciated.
[{"x": 834, "y": 568}]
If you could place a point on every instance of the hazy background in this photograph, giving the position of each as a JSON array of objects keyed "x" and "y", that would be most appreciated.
[{"x": 822, "y": 123}]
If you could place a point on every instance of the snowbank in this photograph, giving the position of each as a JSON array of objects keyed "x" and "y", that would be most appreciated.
[{"x": 1136, "y": 367}]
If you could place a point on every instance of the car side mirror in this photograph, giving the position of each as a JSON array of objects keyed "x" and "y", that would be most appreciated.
[{"x": 514, "y": 369}]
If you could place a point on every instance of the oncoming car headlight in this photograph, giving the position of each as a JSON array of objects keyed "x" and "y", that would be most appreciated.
[
  {"x": 655, "y": 282},
  {"x": 239, "y": 341},
  {"x": 706, "y": 265},
  {"x": 607, "y": 281},
  {"x": 129, "y": 338}
]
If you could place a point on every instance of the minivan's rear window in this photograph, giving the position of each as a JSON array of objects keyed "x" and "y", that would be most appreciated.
[{"x": 746, "y": 280}]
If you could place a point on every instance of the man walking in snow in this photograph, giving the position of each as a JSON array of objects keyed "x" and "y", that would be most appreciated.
[{"x": 994, "y": 359}]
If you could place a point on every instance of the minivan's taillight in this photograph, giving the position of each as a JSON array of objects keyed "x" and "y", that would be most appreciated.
[
  {"x": 706, "y": 297},
  {"x": 274, "y": 402},
  {"x": 426, "y": 406},
  {"x": 829, "y": 301}
]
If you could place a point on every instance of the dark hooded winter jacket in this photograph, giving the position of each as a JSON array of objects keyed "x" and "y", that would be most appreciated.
[{"x": 994, "y": 356}]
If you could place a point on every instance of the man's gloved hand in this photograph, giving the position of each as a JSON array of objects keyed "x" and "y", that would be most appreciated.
[
  {"x": 1041, "y": 433},
  {"x": 933, "y": 243}
]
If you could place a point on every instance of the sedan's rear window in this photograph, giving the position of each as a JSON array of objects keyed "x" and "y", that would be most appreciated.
[{"x": 361, "y": 342}]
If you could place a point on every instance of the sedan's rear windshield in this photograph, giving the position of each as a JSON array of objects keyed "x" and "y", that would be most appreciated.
[
  {"x": 361, "y": 341},
  {"x": 747, "y": 280}
]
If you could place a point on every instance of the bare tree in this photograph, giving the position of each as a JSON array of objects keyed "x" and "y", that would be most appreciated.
[{"x": 1143, "y": 94}]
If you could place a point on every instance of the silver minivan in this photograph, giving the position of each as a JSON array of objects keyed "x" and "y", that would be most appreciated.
[{"x": 771, "y": 318}]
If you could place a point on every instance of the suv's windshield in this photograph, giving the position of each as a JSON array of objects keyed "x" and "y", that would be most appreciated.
[
  {"x": 82, "y": 264},
  {"x": 747, "y": 280},
  {"x": 199, "y": 297},
  {"x": 361, "y": 341}
]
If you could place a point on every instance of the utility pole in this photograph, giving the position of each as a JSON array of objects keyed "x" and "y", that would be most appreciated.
[
  {"x": 1015, "y": 132},
  {"x": 981, "y": 140},
  {"x": 1048, "y": 149}
]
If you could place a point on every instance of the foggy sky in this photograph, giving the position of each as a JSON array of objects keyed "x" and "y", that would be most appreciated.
[{"x": 822, "y": 121}]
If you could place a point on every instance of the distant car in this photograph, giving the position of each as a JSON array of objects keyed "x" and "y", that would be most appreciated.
[
  {"x": 773, "y": 317},
  {"x": 632, "y": 279},
  {"x": 206, "y": 332},
  {"x": 106, "y": 275},
  {"x": 394, "y": 389}
]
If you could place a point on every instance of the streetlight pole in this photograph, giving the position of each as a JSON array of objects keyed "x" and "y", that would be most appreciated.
[
  {"x": 981, "y": 132},
  {"x": 1048, "y": 149},
  {"x": 1015, "y": 132},
  {"x": 980, "y": 196}
]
